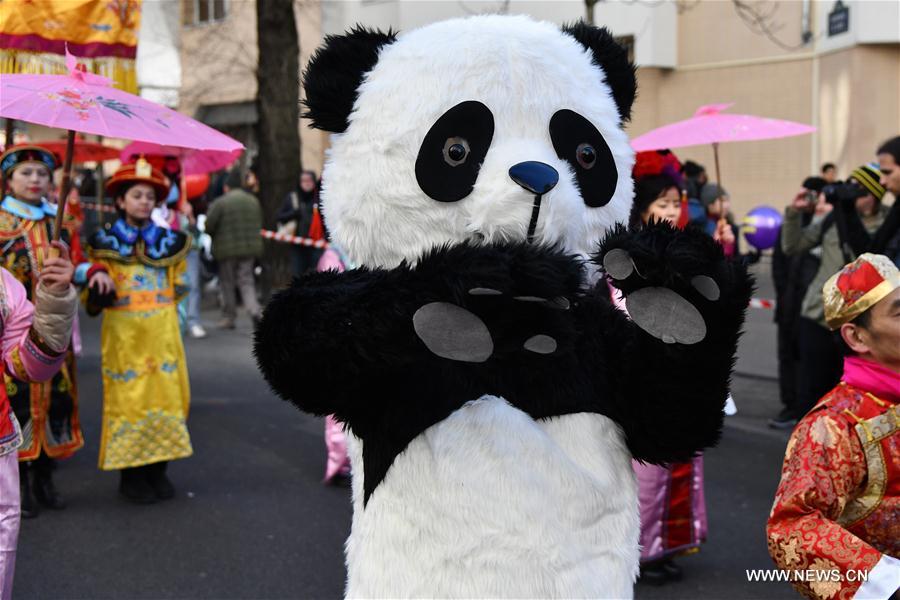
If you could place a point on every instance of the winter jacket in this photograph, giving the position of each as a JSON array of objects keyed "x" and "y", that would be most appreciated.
[{"x": 234, "y": 222}]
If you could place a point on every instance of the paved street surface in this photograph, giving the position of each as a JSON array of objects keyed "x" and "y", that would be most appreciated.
[{"x": 252, "y": 520}]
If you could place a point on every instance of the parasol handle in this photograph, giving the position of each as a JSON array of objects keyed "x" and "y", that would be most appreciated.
[
  {"x": 66, "y": 185},
  {"x": 718, "y": 182}
]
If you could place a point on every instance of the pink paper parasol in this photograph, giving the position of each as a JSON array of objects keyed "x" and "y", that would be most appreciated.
[
  {"x": 193, "y": 162},
  {"x": 85, "y": 102},
  {"x": 710, "y": 125}
]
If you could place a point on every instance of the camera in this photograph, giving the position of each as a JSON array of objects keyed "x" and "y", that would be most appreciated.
[{"x": 843, "y": 192}]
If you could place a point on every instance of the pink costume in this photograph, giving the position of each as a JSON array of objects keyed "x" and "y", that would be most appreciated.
[
  {"x": 673, "y": 507},
  {"x": 33, "y": 349},
  {"x": 335, "y": 438}
]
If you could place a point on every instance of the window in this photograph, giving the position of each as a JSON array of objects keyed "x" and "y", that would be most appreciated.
[{"x": 201, "y": 12}]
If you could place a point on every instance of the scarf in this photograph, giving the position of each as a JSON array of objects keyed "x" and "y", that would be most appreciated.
[{"x": 872, "y": 377}]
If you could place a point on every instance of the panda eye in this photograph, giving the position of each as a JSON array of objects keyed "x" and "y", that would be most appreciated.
[
  {"x": 576, "y": 140},
  {"x": 586, "y": 156},
  {"x": 453, "y": 150},
  {"x": 456, "y": 149}
]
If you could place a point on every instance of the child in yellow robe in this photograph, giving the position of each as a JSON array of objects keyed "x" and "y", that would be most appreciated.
[{"x": 145, "y": 380}]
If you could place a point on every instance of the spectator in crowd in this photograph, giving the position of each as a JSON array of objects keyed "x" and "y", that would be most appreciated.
[
  {"x": 792, "y": 276},
  {"x": 719, "y": 220},
  {"x": 337, "y": 465},
  {"x": 888, "y": 241},
  {"x": 695, "y": 178},
  {"x": 188, "y": 225},
  {"x": 234, "y": 222},
  {"x": 829, "y": 172},
  {"x": 299, "y": 216},
  {"x": 836, "y": 506},
  {"x": 820, "y": 360},
  {"x": 657, "y": 198}
]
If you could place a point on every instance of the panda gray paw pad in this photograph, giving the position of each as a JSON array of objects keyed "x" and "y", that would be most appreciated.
[
  {"x": 456, "y": 333},
  {"x": 671, "y": 279}
]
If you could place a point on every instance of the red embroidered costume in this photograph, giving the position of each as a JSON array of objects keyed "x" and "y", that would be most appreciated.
[{"x": 837, "y": 508}]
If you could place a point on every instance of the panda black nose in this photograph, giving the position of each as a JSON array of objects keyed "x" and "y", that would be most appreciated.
[{"x": 536, "y": 177}]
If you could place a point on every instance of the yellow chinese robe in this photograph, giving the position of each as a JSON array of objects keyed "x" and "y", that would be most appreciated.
[{"x": 146, "y": 393}]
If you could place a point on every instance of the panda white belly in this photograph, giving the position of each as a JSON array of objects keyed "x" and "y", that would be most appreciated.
[{"x": 490, "y": 503}]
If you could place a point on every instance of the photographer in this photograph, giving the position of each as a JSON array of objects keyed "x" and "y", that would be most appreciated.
[
  {"x": 887, "y": 240},
  {"x": 838, "y": 208},
  {"x": 792, "y": 276}
]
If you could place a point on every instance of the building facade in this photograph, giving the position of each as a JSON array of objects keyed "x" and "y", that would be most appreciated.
[
  {"x": 218, "y": 62},
  {"x": 689, "y": 53}
]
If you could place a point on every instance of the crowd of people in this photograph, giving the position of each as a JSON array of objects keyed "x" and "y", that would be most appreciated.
[
  {"x": 141, "y": 271},
  {"x": 834, "y": 267},
  {"x": 832, "y": 384}
]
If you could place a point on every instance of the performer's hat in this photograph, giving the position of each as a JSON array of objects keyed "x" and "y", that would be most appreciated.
[
  {"x": 858, "y": 287},
  {"x": 17, "y": 156},
  {"x": 139, "y": 172}
]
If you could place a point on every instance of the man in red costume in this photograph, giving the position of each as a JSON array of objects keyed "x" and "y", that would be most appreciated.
[{"x": 835, "y": 525}]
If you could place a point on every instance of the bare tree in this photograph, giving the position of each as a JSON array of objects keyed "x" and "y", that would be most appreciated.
[
  {"x": 279, "y": 141},
  {"x": 760, "y": 16}
]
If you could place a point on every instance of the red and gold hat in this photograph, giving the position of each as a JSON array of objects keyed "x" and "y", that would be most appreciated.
[
  {"x": 858, "y": 287},
  {"x": 141, "y": 172},
  {"x": 19, "y": 155}
]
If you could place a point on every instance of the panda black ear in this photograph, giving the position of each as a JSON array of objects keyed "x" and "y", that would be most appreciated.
[
  {"x": 335, "y": 73},
  {"x": 613, "y": 59}
]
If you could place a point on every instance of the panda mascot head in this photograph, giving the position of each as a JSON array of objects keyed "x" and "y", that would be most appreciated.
[
  {"x": 493, "y": 395},
  {"x": 432, "y": 128}
]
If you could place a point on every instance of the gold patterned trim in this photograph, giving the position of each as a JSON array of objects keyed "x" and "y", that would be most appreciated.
[
  {"x": 871, "y": 432},
  {"x": 844, "y": 313},
  {"x": 140, "y": 256},
  {"x": 18, "y": 366}
]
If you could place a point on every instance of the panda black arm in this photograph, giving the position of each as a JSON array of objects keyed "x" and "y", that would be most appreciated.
[
  {"x": 667, "y": 372},
  {"x": 340, "y": 342}
]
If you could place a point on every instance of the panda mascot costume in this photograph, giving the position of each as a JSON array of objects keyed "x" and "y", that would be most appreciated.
[{"x": 492, "y": 393}]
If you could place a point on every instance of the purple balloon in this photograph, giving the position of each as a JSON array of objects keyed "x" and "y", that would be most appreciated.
[{"x": 761, "y": 226}]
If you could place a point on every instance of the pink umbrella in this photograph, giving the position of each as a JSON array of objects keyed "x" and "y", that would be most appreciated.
[
  {"x": 85, "y": 102},
  {"x": 710, "y": 125},
  {"x": 193, "y": 162}
]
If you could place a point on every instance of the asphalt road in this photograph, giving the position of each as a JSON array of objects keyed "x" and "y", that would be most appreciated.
[{"x": 252, "y": 520}]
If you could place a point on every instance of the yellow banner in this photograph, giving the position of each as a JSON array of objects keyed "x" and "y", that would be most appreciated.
[{"x": 103, "y": 34}]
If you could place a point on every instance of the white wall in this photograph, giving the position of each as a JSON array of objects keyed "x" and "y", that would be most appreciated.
[
  {"x": 158, "y": 60},
  {"x": 653, "y": 25}
]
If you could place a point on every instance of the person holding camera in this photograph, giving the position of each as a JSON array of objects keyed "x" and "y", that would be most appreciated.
[
  {"x": 792, "y": 276},
  {"x": 838, "y": 207}
]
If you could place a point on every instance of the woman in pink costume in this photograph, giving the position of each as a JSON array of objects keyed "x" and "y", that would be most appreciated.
[
  {"x": 338, "y": 464},
  {"x": 673, "y": 508},
  {"x": 33, "y": 344}
]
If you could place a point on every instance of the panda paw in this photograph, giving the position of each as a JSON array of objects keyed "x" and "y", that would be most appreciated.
[
  {"x": 678, "y": 285},
  {"x": 501, "y": 301}
]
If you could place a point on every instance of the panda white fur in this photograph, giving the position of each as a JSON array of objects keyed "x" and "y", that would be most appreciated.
[{"x": 490, "y": 496}]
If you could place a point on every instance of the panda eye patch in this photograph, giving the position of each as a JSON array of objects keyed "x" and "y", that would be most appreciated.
[
  {"x": 453, "y": 150},
  {"x": 577, "y": 141}
]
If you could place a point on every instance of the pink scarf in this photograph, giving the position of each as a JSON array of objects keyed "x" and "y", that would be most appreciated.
[{"x": 872, "y": 377}]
